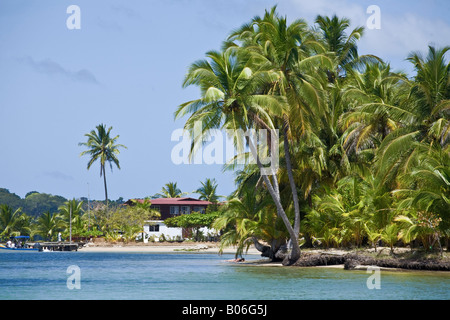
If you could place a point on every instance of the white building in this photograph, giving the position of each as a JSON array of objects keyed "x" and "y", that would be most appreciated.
[{"x": 156, "y": 230}]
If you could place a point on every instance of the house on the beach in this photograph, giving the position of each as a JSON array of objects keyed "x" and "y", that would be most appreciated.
[{"x": 170, "y": 207}]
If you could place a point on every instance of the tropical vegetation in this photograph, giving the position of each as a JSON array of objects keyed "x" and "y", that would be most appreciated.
[{"x": 364, "y": 150}]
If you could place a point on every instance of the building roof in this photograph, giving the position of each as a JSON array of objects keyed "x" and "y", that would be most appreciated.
[{"x": 176, "y": 201}]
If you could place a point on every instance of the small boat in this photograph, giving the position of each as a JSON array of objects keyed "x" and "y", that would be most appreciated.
[{"x": 19, "y": 243}]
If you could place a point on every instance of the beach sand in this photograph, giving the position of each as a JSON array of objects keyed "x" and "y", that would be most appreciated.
[{"x": 163, "y": 248}]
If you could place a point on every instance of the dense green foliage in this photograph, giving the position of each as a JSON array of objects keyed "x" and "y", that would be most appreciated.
[
  {"x": 43, "y": 216},
  {"x": 364, "y": 150},
  {"x": 33, "y": 204},
  {"x": 194, "y": 220}
]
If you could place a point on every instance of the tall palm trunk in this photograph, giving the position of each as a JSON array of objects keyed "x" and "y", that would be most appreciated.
[
  {"x": 104, "y": 181},
  {"x": 275, "y": 194},
  {"x": 290, "y": 173}
]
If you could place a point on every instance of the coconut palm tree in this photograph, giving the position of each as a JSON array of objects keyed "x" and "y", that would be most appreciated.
[
  {"x": 378, "y": 96},
  {"x": 71, "y": 207},
  {"x": 250, "y": 219},
  {"x": 208, "y": 191},
  {"x": 230, "y": 100},
  {"x": 48, "y": 224},
  {"x": 390, "y": 235},
  {"x": 427, "y": 121},
  {"x": 424, "y": 193},
  {"x": 431, "y": 85},
  {"x": 102, "y": 147},
  {"x": 170, "y": 190},
  {"x": 292, "y": 56},
  {"x": 9, "y": 219},
  {"x": 332, "y": 33},
  {"x": 71, "y": 212}
]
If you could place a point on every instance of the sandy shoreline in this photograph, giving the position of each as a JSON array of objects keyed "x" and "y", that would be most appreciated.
[{"x": 165, "y": 248}]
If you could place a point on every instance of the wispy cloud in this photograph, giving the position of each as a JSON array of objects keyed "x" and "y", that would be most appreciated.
[
  {"x": 109, "y": 25},
  {"x": 124, "y": 10},
  {"x": 50, "y": 67},
  {"x": 110, "y": 19},
  {"x": 58, "y": 175},
  {"x": 403, "y": 30}
]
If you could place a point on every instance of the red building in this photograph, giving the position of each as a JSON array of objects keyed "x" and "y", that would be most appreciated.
[{"x": 170, "y": 207}]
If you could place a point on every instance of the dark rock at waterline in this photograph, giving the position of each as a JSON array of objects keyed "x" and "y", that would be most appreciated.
[
  {"x": 351, "y": 260},
  {"x": 319, "y": 260},
  {"x": 322, "y": 259}
]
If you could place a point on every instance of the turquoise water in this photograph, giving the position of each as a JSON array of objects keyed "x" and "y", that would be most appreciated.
[{"x": 175, "y": 276}]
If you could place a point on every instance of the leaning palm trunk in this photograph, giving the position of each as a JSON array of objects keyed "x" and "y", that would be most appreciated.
[
  {"x": 271, "y": 251},
  {"x": 273, "y": 189}
]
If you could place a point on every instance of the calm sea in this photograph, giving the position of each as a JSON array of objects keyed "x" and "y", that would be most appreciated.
[{"x": 176, "y": 276}]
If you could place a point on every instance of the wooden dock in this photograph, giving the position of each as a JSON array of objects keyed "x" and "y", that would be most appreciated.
[{"x": 59, "y": 246}]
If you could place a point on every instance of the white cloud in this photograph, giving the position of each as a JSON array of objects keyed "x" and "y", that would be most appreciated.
[
  {"x": 50, "y": 67},
  {"x": 309, "y": 10},
  {"x": 401, "y": 31},
  {"x": 400, "y": 35},
  {"x": 58, "y": 175}
]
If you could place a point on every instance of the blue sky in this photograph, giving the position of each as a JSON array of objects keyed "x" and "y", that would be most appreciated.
[{"x": 124, "y": 68}]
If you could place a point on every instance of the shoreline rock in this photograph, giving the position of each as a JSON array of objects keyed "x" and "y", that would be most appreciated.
[{"x": 352, "y": 261}]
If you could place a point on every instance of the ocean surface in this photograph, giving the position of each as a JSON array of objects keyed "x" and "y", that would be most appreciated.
[{"x": 197, "y": 276}]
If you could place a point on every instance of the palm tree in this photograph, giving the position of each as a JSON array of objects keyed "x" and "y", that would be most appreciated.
[
  {"x": 343, "y": 46},
  {"x": 170, "y": 190},
  {"x": 71, "y": 207},
  {"x": 71, "y": 212},
  {"x": 48, "y": 224},
  {"x": 428, "y": 103},
  {"x": 373, "y": 234},
  {"x": 250, "y": 219},
  {"x": 421, "y": 225},
  {"x": 431, "y": 85},
  {"x": 9, "y": 219},
  {"x": 390, "y": 235},
  {"x": 230, "y": 101},
  {"x": 103, "y": 148},
  {"x": 424, "y": 190},
  {"x": 378, "y": 96},
  {"x": 208, "y": 191},
  {"x": 276, "y": 89}
]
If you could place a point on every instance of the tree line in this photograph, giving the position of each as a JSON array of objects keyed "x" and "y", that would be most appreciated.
[
  {"x": 113, "y": 221},
  {"x": 42, "y": 216}
]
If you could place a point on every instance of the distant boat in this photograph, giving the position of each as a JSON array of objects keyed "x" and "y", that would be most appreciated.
[{"x": 19, "y": 244}]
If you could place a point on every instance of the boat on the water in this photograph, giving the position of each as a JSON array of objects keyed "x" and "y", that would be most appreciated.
[{"x": 19, "y": 243}]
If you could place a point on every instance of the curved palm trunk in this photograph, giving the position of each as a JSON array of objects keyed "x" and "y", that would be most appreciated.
[
  {"x": 269, "y": 252},
  {"x": 275, "y": 194}
]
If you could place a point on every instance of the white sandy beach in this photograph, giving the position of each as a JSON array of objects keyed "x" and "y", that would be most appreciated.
[{"x": 164, "y": 248}]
